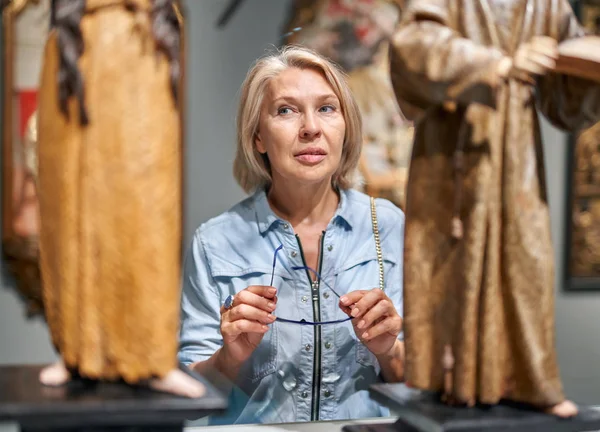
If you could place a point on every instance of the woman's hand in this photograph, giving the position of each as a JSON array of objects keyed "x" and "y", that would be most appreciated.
[
  {"x": 244, "y": 324},
  {"x": 376, "y": 322}
]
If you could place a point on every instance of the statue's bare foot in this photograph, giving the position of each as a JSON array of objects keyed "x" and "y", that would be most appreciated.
[
  {"x": 55, "y": 375},
  {"x": 564, "y": 409},
  {"x": 179, "y": 383}
]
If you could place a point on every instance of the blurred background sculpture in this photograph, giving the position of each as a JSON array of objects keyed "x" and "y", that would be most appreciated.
[
  {"x": 585, "y": 235},
  {"x": 25, "y": 28},
  {"x": 479, "y": 273},
  {"x": 583, "y": 189},
  {"x": 358, "y": 42},
  {"x": 110, "y": 192}
]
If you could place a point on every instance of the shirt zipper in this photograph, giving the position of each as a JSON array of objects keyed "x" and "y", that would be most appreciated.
[{"x": 316, "y": 380}]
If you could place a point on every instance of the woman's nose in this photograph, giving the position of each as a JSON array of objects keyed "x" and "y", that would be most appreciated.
[{"x": 310, "y": 128}]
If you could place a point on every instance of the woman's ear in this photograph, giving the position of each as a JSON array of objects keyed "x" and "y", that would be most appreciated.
[{"x": 259, "y": 144}]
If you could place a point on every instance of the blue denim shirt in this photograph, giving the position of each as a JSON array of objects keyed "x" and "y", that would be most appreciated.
[{"x": 235, "y": 250}]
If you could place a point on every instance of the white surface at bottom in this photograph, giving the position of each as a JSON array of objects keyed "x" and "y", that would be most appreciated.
[
  {"x": 9, "y": 427},
  {"x": 322, "y": 426}
]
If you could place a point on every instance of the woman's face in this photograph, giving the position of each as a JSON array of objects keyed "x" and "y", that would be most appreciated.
[{"x": 301, "y": 128}]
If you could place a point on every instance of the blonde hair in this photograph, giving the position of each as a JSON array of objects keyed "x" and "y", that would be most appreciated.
[{"x": 251, "y": 168}]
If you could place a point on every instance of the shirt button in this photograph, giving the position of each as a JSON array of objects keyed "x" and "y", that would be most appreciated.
[
  {"x": 326, "y": 294},
  {"x": 327, "y": 345},
  {"x": 308, "y": 347},
  {"x": 286, "y": 226},
  {"x": 330, "y": 248},
  {"x": 304, "y": 299},
  {"x": 294, "y": 254},
  {"x": 327, "y": 393},
  {"x": 304, "y": 394}
]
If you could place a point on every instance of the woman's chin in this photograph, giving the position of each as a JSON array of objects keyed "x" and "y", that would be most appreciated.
[
  {"x": 312, "y": 181},
  {"x": 304, "y": 177}
]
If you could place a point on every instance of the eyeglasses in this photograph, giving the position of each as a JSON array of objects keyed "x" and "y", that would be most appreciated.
[{"x": 320, "y": 279}]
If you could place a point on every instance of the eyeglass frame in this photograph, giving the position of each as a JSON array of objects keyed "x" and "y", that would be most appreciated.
[{"x": 320, "y": 279}]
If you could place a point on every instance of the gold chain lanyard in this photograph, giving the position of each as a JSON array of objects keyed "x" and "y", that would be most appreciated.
[{"x": 377, "y": 242}]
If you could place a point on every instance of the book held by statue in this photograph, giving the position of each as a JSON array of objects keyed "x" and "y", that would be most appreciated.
[{"x": 580, "y": 57}]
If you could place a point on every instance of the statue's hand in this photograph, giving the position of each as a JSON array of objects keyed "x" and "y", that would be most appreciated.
[{"x": 532, "y": 59}]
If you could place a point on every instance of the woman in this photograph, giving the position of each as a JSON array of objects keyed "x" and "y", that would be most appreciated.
[
  {"x": 109, "y": 192},
  {"x": 479, "y": 262},
  {"x": 246, "y": 284}
]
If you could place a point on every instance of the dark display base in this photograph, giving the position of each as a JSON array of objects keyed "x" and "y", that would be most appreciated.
[
  {"x": 423, "y": 412},
  {"x": 93, "y": 406}
]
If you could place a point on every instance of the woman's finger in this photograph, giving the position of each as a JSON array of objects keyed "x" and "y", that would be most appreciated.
[
  {"x": 247, "y": 326},
  {"x": 392, "y": 325},
  {"x": 347, "y": 310},
  {"x": 248, "y": 312},
  {"x": 369, "y": 300},
  {"x": 262, "y": 290},
  {"x": 231, "y": 330},
  {"x": 347, "y": 300},
  {"x": 380, "y": 309},
  {"x": 252, "y": 299}
]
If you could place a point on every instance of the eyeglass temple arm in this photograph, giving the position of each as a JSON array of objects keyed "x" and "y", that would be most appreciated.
[{"x": 275, "y": 263}]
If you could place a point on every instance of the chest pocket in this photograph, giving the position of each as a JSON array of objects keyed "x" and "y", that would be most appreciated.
[
  {"x": 234, "y": 275},
  {"x": 363, "y": 274}
]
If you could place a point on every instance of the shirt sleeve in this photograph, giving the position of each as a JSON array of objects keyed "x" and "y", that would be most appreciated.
[{"x": 200, "y": 334}]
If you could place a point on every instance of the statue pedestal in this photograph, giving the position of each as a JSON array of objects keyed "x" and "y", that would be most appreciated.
[
  {"x": 419, "y": 411},
  {"x": 28, "y": 406}
]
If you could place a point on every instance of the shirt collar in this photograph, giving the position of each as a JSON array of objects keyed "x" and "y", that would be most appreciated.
[{"x": 267, "y": 219}]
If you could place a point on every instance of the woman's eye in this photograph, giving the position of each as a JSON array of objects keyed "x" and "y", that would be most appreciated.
[
  {"x": 327, "y": 109},
  {"x": 284, "y": 110}
]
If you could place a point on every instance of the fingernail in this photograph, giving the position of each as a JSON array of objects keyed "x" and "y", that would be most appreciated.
[
  {"x": 271, "y": 317},
  {"x": 361, "y": 324},
  {"x": 365, "y": 335},
  {"x": 265, "y": 328},
  {"x": 272, "y": 291},
  {"x": 354, "y": 312},
  {"x": 271, "y": 305},
  {"x": 344, "y": 299}
]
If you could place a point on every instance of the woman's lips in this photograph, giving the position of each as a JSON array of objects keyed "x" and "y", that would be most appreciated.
[{"x": 311, "y": 156}]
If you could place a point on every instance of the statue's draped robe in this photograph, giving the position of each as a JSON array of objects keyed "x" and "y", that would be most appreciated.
[
  {"x": 110, "y": 203},
  {"x": 490, "y": 294}
]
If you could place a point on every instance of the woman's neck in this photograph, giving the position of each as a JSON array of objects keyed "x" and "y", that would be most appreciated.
[{"x": 304, "y": 205}]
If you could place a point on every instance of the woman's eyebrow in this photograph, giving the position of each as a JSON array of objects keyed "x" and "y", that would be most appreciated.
[{"x": 293, "y": 99}]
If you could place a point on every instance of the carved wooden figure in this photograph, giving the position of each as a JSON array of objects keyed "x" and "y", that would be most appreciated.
[
  {"x": 479, "y": 273},
  {"x": 110, "y": 189}
]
